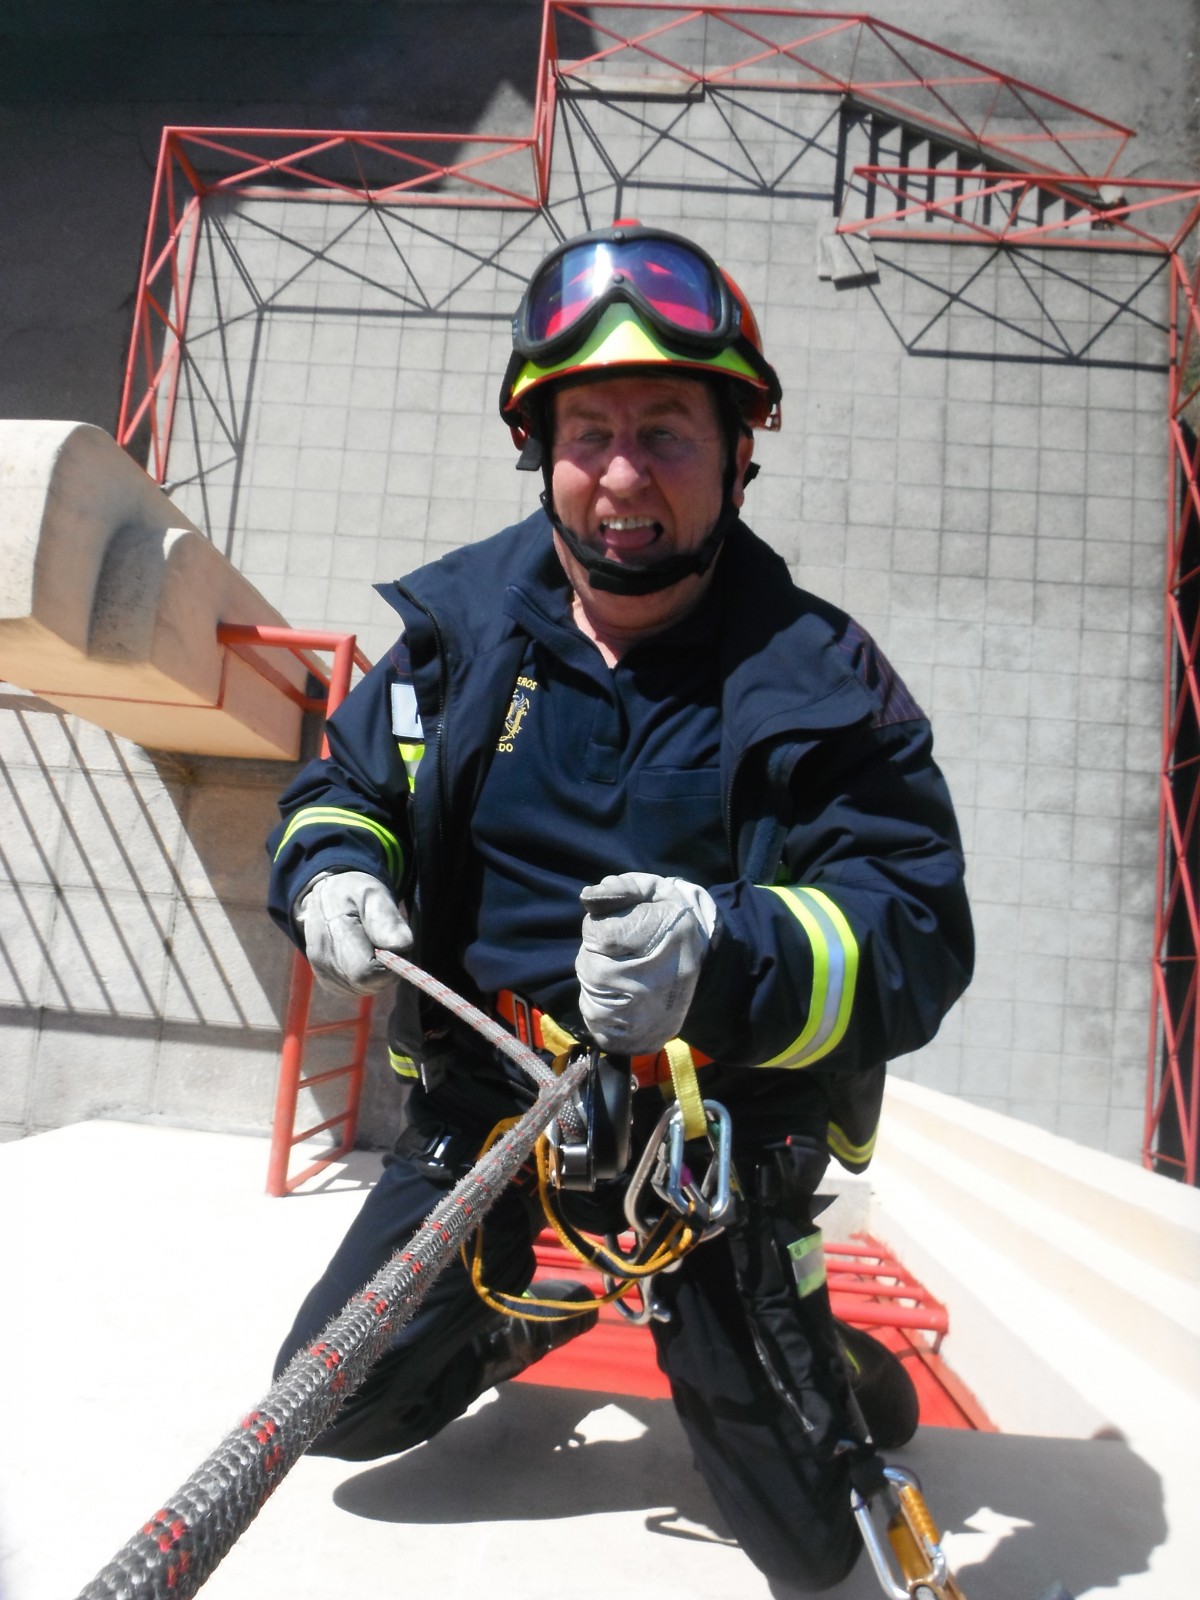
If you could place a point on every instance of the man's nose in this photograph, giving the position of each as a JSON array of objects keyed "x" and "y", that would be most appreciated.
[{"x": 625, "y": 467}]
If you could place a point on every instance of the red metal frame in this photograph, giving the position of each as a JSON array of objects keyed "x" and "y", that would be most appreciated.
[
  {"x": 874, "y": 63},
  {"x": 1113, "y": 214},
  {"x": 1101, "y": 206},
  {"x": 246, "y": 641},
  {"x": 889, "y": 69},
  {"x": 1173, "y": 1093}
]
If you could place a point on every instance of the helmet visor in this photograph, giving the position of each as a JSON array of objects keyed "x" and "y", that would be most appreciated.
[{"x": 672, "y": 283}]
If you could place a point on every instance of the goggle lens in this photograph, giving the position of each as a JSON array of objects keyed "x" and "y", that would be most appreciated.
[{"x": 678, "y": 285}]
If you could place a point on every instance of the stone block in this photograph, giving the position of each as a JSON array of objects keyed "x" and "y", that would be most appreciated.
[
  {"x": 107, "y": 953},
  {"x": 110, "y": 601},
  {"x": 229, "y": 968},
  {"x": 102, "y": 1067}
]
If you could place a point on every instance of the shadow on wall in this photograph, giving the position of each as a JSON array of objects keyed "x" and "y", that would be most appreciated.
[
  {"x": 139, "y": 974},
  {"x": 1017, "y": 1513},
  {"x": 87, "y": 88}
]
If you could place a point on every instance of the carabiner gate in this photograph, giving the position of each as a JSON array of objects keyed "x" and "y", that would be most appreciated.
[
  {"x": 705, "y": 1203},
  {"x": 914, "y": 1539}
]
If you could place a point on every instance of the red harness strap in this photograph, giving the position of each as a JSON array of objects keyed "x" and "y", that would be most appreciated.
[{"x": 526, "y": 1022}]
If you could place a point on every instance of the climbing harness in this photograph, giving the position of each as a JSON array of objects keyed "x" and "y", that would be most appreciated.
[
  {"x": 177, "y": 1549},
  {"x": 689, "y": 1208}
]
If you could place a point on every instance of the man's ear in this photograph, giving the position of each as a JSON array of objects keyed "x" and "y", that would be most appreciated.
[{"x": 745, "y": 449}]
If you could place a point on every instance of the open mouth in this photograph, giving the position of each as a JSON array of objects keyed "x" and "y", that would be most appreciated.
[{"x": 627, "y": 535}]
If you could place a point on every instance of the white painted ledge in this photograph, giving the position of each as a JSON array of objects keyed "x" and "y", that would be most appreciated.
[{"x": 1072, "y": 1278}]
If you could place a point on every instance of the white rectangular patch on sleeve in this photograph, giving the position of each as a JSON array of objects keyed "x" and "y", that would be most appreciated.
[{"x": 406, "y": 719}]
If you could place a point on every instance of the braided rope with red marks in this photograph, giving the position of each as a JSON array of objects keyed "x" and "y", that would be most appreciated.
[{"x": 183, "y": 1542}]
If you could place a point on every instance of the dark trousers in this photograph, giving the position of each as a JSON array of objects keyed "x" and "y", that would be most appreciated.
[{"x": 753, "y": 1366}]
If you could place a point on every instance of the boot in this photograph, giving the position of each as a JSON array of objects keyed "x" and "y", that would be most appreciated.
[
  {"x": 885, "y": 1393},
  {"x": 514, "y": 1343}
]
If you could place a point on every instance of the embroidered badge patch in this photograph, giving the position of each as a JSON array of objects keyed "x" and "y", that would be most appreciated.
[{"x": 518, "y": 710}]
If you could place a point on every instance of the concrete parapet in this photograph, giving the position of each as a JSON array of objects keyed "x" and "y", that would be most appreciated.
[
  {"x": 1072, "y": 1278},
  {"x": 110, "y": 599}
]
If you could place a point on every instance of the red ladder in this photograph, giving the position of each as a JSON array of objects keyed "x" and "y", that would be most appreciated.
[{"x": 245, "y": 640}]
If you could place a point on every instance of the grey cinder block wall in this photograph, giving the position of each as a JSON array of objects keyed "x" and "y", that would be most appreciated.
[{"x": 972, "y": 461}]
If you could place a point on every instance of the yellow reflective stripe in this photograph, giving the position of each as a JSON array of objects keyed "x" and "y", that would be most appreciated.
[
  {"x": 835, "y": 974},
  {"x": 404, "y": 1065},
  {"x": 849, "y": 1154},
  {"x": 336, "y": 816},
  {"x": 411, "y": 755}
]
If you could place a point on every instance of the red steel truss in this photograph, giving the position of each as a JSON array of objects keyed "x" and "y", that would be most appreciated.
[
  {"x": 872, "y": 63},
  {"x": 1172, "y": 1130},
  {"x": 1044, "y": 179},
  {"x": 947, "y": 206}
]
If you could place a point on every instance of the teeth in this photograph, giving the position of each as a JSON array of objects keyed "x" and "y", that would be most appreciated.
[{"x": 624, "y": 524}]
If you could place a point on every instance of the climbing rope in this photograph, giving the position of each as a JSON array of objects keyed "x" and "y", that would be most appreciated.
[
  {"x": 184, "y": 1541},
  {"x": 488, "y": 1028}
]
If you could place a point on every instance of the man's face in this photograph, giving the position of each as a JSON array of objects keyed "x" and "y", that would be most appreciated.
[{"x": 637, "y": 472}]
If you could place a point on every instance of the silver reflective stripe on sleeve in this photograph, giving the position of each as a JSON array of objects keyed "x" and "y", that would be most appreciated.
[
  {"x": 834, "y": 974},
  {"x": 406, "y": 719}
]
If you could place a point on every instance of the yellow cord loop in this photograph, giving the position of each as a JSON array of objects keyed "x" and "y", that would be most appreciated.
[{"x": 667, "y": 1242}]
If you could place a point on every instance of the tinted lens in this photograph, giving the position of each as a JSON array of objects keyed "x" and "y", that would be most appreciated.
[
  {"x": 565, "y": 290},
  {"x": 680, "y": 286}
]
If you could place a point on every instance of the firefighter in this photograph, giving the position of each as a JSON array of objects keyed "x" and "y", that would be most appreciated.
[{"x": 621, "y": 779}]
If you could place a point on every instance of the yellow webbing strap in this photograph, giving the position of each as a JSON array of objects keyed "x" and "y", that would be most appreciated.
[
  {"x": 687, "y": 1088},
  {"x": 559, "y": 1042},
  {"x": 556, "y": 1039}
]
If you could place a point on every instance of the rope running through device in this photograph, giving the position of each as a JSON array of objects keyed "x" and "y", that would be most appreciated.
[{"x": 184, "y": 1541}]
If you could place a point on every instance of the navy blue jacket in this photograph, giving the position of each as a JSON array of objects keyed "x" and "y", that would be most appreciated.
[{"x": 846, "y": 935}]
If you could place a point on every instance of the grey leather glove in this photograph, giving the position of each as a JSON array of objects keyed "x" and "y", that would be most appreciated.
[
  {"x": 644, "y": 939},
  {"x": 345, "y": 917}
]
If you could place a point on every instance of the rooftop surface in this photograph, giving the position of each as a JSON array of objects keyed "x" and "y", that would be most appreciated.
[{"x": 147, "y": 1289}]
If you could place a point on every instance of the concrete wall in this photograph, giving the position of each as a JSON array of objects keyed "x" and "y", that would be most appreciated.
[{"x": 972, "y": 461}]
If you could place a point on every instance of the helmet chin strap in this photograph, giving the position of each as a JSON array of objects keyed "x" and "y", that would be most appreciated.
[{"x": 614, "y": 577}]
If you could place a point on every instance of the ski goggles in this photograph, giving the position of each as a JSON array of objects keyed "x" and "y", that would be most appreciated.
[{"x": 674, "y": 286}]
